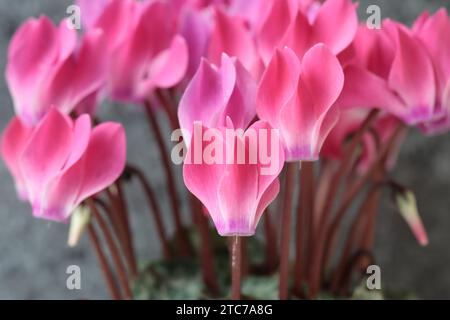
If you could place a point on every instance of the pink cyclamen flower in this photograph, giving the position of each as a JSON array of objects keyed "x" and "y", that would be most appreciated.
[
  {"x": 232, "y": 36},
  {"x": 348, "y": 124},
  {"x": 145, "y": 51},
  {"x": 61, "y": 162},
  {"x": 302, "y": 24},
  {"x": 298, "y": 99},
  {"x": 434, "y": 33},
  {"x": 390, "y": 70},
  {"x": 216, "y": 93},
  {"x": 234, "y": 193},
  {"x": 45, "y": 67}
]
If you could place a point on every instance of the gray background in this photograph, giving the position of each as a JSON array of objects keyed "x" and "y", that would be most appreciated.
[{"x": 34, "y": 255}]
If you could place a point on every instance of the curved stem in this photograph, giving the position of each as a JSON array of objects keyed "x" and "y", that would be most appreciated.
[
  {"x": 315, "y": 270},
  {"x": 338, "y": 275},
  {"x": 106, "y": 271},
  {"x": 236, "y": 265},
  {"x": 286, "y": 230},
  {"x": 155, "y": 211},
  {"x": 182, "y": 239},
  {"x": 121, "y": 220},
  {"x": 112, "y": 249},
  {"x": 206, "y": 251},
  {"x": 353, "y": 192}
]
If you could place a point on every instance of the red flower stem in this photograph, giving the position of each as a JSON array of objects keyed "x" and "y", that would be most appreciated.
[
  {"x": 271, "y": 243},
  {"x": 236, "y": 267},
  {"x": 115, "y": 254},
  {"x": 334, "y": 227},
  {"x": 109, "y": 279},
  {"x": 181, "y": 237},
  {"x": 169, "y": 109},
  {"x": 121, "y": 221},
  {"x": 119, "y": 227},
  {"x": 292, "y": 167},
  {"x": 338, "y": 275},
  {"x": 206, "y": 252},
  {"x": 154, "y": 209},
  {"x": 318, "y": 243},
  {"x": 305, "y": 211},
  {"x": 369, "y": 230},
  {"x": 125, "y": 218}
]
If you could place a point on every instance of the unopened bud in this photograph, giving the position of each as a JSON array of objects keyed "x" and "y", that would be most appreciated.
[
  {"x": 79, "y": 220},
  {"x": 407, "y": 205}
]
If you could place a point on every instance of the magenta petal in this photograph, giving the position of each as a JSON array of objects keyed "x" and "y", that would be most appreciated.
[
  {"x": 202, "y": 180},
  {"x": 46, "y": 153},
  {"x": 307, "y": 119},
  {"x": 195, "y": 28},
  {"x": 230, "y": 36},
  {"x": 277, "y": 85},
  {"x": 335, "y": 13},
  {"x": 14, "y": 140},
  {"x": 412, "y": 77},
  {"x": 34, "y": 55},
  {"x": 273, "y": 29},
  {"x": 104, "y": 159},
  {"x": 168, "y": 68},
  {"x": 205, "y": 97},
  {"x": 238, "y": 195},
  {"x": 365, "y": 89}
]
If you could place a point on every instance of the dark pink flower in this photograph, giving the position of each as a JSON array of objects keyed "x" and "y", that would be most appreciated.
[
  {"x": 297, "y": 97},
  {"x": 61, "y": 162}
]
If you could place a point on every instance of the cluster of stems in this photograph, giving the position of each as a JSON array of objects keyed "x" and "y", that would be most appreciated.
[{"x": 326, "y": 191}]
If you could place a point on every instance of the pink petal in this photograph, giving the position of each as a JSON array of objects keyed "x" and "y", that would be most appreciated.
[
  {"x": 202, "y": 180},
  {"x": 34, "y": 54},
  {"x": 336, "y": 24},
  {"x": 365, "y": 89},
  {"x": 230, "y": 36},
  {"x": 46, "y": 153},
  {"x": 104, "y": 159},
  {"x": 195, "y": 28},
  {"x": 277, "y": 85},
  {"x": 238, "y": 193},
  {"x": 14, "y": 140},
  {"x": 273, "y": 29},
  {"x": 413, "y": 79},
  {"x": 167, "y": 68},
  {"x": 206, "y": 96},
  {"x": 307, "y": 119},
  {"x": 91, "y": 11},
  {"x": 78, "y": 77},
  {"x": 431, "y": 33}
]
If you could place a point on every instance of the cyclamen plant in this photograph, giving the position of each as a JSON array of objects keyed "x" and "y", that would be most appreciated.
[{"x": 261, "y": 90}]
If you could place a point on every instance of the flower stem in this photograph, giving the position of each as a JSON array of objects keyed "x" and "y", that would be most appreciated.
[
  {"x": 120, "y": 218},
  {"x": 236, "y": 266},
  {"x": 271, "y": 243},
  {"x": 182, "y": 239},
  {"x": 206, "y": 251},
  {"x": 286, "y": 230},
  {"x": 315, "y": 270},
  {"x": 338, "y": 275},
  {"x": 109, "y": 279},
  {"x": 305, "y": 210},
  {"x": 112, "y": 249},
  {"x": 155, "y": 210}
]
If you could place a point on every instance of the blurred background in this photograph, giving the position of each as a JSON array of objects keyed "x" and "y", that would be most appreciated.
[{"x": 34, "y": 255}]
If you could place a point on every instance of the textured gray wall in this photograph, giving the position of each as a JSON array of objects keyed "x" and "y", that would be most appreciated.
[{"x": 34, "y": 255}]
